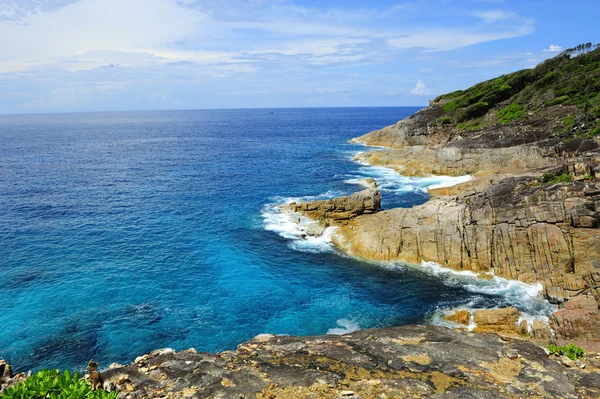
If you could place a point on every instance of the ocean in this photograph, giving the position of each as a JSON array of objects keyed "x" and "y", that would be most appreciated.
[{"x": 125, "y": 232}]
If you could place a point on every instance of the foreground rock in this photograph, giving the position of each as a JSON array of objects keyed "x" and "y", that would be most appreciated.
[{"x": 402, "y": 362}]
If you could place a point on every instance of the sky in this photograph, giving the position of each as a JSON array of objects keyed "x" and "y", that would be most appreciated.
[{"x": 104, "y": 55}]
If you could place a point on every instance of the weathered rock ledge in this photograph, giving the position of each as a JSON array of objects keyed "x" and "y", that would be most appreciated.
[
  {"x": 400, "y": 362},
  {"x": 340, "y": 209}
]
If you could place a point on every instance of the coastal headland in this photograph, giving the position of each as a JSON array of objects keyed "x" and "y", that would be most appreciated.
[{"x": 531, "y": 212}]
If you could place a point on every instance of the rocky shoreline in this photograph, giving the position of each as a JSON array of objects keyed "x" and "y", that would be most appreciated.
[
  {"x": 397, "y": 362},
  {"x": 509, "y": 221}
]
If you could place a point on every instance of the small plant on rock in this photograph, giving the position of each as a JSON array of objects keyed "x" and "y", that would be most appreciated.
[
  {"x": 571, "y": 351},
  {"x": 54, "y": 385},
  {"x": 554, "y": 178}
]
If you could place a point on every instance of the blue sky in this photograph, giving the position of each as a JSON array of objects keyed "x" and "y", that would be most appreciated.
[{"x": 91, "y": 55}]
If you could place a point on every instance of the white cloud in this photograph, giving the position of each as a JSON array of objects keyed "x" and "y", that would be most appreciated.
[
  {"x": 90, "y": 33},
  {"x": 420, "y": 89},
  {"x": 450, "y": 39},
  {"x": 553, "y": 49},
  {"x": 491, "y": 16}
]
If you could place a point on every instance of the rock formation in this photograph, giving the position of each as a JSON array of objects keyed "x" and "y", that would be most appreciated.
[{"x": 340, "y": 209}]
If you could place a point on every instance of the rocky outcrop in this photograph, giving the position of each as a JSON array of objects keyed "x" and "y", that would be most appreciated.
[
  {"x": 505, "y": 322},
  {"x": 401, "y": 362},
  {"x": 340, "y": 209},
  {"x": 514, "y": 229},
  {"x": 414, "y": 130},
  {"x": 456, "y": 161},
  {"x": 515, "y": 219},
  {"x": 497, "y": 320}
]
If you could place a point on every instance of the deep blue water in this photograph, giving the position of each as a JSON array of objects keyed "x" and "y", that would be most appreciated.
[{"x": 125, "y": 232}]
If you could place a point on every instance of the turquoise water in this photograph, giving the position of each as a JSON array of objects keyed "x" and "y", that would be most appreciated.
[{"x": 125, "y": 232}]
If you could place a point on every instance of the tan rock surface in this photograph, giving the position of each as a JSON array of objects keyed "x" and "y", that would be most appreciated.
[{"x": 340, "y": 209}]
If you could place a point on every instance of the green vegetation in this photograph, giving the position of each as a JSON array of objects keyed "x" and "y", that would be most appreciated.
[
  {"x": 570, "y": 79},
  {"x": 556, "y": 101},
  {"x": 569, "y": 123},
  {"x": 444, "y": 120},
  {"x": 554, "y": 178},
  {"x": 510, "y": 113},
  {"x": 52, "y": 384},
  {"x": 471, "y": 125},
  {"x": 571, "y": 351}
]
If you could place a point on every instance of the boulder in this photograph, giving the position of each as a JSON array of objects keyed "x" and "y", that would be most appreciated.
[{"x": 502, "y": 320}]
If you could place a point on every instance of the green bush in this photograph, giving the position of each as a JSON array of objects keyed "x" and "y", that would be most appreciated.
[
  {"x": 569, "y": 123},
  {"x": 444, "y": 120},
  {"x": 557, "y": 100},
  {"x": 510, "y": 113},
  {"x": 52, "y": 384},
  {"x": 473, "y": 111},
  {"x": 553, "y": 178},
  {"x": 451, "y": 106},
  {"x": 571, "y": 351}
]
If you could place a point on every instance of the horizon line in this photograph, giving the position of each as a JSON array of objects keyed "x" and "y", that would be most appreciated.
[{"x": 202, "y": 109}]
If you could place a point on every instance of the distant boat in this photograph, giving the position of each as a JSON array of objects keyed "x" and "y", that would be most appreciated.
[{"x": 271, "y": 112}]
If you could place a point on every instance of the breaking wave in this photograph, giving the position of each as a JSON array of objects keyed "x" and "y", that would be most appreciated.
[{"x": 295, "y": 227}]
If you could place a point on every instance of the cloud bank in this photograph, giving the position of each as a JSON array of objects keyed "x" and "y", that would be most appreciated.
[{"x": 68, "y": 54}]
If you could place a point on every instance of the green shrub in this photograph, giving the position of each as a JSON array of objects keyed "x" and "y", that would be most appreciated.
[
  {"x": 473, "y": 111},
  {"x": 554, "y": 351},
  {"x": 510, "y": 113},
  {"x": 569, "y": 123},
  {"x": 451, "y": 106},
  {"x": 571, "y": 351},
  {"x": 557, "y": 100},
  {"x": 444, "y": 120},
  {"x": 553, "y": 178},
  {"x": 54, "y": 385}
]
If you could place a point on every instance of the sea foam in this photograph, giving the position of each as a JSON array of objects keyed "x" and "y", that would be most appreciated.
[
  {"x": 389, "y": 180},
  {"x": 294, "y": 226},
  {"x": 345, "y": 326},
  {"x": 526, "y": 297}
]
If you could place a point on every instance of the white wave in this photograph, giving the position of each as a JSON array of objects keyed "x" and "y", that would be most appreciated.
[
  {"x": 345, "y": 326},
  {"x": 295, "y": 227},
  {"x": 316, "y": 244},
  {"x": 391, "y": 181},
  {"x": 525, "y": 297}
]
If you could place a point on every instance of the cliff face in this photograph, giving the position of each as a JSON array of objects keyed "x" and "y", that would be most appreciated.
[
  {"x": 532, "y": 234},
  {"x": 402, "y": 362}
]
